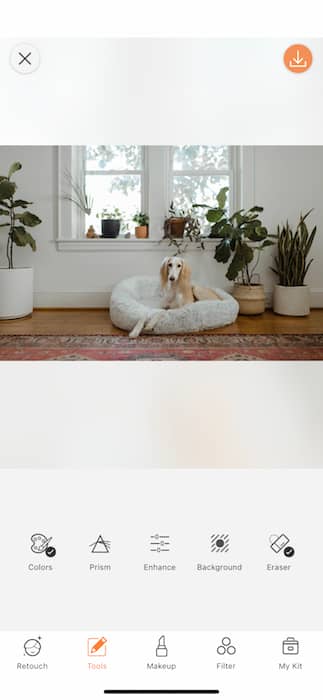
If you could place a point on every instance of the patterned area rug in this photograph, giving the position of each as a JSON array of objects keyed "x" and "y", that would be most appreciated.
[{"x": 184, "y": 347}]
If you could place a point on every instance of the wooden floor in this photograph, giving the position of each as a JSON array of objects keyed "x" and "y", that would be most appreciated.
[{"x": 97, "y": 322}]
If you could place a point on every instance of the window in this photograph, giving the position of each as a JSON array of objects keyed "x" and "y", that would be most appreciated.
[
  {"x": 114, "y": 178},
  {"x": 136, "y": 178},
  {"x": 198, "y": 173}
]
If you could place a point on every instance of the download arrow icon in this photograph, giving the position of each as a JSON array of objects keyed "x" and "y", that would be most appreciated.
[{"x": 298, "y": 60}]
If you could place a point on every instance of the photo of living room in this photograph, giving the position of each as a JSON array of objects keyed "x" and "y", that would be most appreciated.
[{"x": 190, "y": 252}]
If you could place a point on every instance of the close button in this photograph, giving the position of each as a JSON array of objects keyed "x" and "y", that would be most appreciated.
[{"x": 25, "y": 58}]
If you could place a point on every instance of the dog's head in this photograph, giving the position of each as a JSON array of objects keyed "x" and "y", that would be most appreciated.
[{"x": 173, "y": 269}]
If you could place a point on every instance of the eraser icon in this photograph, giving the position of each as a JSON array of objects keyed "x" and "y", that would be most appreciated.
[
  {"x": 278, "y": 542},
  {"x": 161, "y": 647}
]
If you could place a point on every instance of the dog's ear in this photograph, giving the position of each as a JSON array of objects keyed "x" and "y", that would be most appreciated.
[
  {"x": 164, "y": 271},
  {"x": 186, "y": 272}
]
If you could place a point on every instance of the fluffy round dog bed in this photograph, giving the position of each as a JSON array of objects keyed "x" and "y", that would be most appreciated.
[{"x": 136, "y": 298}]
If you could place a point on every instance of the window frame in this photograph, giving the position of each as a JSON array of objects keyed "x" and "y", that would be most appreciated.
[
  {"x": 142, "y": 173},
  {"x": 156, "y": 195},
  {"x": 199, "y": 172}
]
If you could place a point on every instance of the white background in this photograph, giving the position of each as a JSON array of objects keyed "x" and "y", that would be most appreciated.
[
  {"x": 145, "y": 414},
  {"x": 167, "y": 18}
]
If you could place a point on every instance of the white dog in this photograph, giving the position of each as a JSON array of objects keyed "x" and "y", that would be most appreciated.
[
  {"x": 175, "y": 277},
  {"x": 176, "y": 291}
]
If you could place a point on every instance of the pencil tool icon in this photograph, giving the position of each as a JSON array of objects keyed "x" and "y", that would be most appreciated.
[{"x": 97, "y": 646}]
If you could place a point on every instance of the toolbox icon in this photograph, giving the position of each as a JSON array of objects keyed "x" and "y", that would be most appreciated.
[{"x": 290, "y": 646}]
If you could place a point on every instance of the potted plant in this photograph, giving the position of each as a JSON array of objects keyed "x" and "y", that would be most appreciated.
[
  {"x": 78, "y": 194},
  {"x": 110, "y": 222},
  {"x": 192, "y": 234},
  {"x": 292, "y": 295},
  {"x": 16, "y": 284},
  {"x": 141, "y": 230},
  {"x": 242, "y": 239},
  {"x": 175, "y": 223}
]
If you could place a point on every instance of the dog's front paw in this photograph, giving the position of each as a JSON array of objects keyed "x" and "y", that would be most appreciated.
[{"x": 150, "y": 326}]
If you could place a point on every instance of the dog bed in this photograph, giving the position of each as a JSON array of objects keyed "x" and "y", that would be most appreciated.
[{"x": 140, "y": 297}]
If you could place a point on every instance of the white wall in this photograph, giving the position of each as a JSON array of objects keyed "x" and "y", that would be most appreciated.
[{"x": 286, "y": 180}]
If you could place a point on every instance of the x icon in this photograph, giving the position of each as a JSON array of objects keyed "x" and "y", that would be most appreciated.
[{"x": 24, "y": 58}]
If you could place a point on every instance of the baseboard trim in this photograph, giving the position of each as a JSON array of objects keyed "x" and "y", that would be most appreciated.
[
  {"x": 96, "y": 300},
  {"x": 72, "y": 300}
]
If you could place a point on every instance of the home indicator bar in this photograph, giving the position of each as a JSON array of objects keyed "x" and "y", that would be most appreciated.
[{"x": 161, "y": 692}]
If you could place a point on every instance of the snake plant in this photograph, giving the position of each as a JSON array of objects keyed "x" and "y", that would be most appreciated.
[{"x": 291, "y": 261}]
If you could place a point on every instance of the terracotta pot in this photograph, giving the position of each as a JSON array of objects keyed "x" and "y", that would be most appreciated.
[
  {"x": 251, "y": 298},
  {"x": 291, "y": 301},
  {"x": 141, "y": 231},
  {"x": 176, "y": 226}
]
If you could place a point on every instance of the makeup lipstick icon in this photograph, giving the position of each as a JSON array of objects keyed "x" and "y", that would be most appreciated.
[{"x": 161, "y": 647}]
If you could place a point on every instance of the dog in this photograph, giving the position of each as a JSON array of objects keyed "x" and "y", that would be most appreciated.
[
  {"x": 175, "y": 278},
  {"x": 176, "y": 291}
]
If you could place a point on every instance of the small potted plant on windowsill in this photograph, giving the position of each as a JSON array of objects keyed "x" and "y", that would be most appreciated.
[
  {"x": 141, "y": 230},
  {"x": 16, "y": 284},
  {"x": 175, "y": 223},
  {"x": 192, "y": 235},
  {"x": 110, "y": 222},
  {"x": 292, "y": 295},
  {"x": 242, "y": 239}
]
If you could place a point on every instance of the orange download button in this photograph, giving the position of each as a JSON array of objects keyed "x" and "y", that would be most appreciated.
[{"x": 298, "y": 58}]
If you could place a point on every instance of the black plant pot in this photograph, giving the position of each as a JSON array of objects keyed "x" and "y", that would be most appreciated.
[{"x": 110, "y": 228}]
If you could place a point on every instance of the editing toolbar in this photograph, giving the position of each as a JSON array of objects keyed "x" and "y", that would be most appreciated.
[{"x": 104, "y": 662}]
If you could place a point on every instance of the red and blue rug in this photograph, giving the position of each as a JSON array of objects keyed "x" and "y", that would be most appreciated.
[{"x": 179, "y": 348}]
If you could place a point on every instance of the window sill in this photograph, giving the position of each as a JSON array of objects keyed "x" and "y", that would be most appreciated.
[{"x": 135, "y": 245}]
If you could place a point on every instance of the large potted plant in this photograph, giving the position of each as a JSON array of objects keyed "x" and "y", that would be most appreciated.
[
  {"x": 110, "y": 222},
  {"x": 291, "y": 295},
  {"x": 242, "y": 239},
  {"x": 16, "y": 284}
]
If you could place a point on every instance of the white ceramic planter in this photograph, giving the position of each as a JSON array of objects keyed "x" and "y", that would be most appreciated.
[
  {"x": 291, "y": 301},
  {"x": 16, "y": 292}
]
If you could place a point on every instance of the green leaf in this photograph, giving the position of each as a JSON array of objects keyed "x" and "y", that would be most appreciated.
[
  {"x": 28, "y": 219},
  {"x": 242, "y": 257},
  {"x": 223, "y": 251},
  {"x": 220, "y": 230},
  {"x": 214, "y": 215},
  {"x": 7, "y": 189},
  {"x": 22, "y": 238},
  {"x": 21, "y": 203},
  {"x": 257, "y": 209},
  {"x": 13, "y": 169},
  {"x": 222, "y": 197},
  {"x": 4, "y": 212},
  {"x": 256, "y": 234}
]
